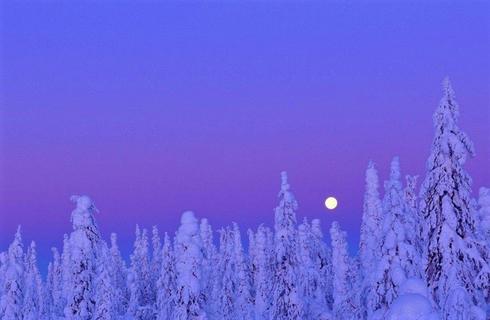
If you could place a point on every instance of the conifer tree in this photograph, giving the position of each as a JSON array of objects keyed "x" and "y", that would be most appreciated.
[
  {"x": 189, "y": 297},
  {"x": 139, "y": 281},
  {"x": 209, "y": 260},
  {"x": 167, "y": 283},
  {"x": 287, "y": 301},
  {"x": 12, "y": 298},
  {"x": 453, "y": 257},
  {"x": 118, "y": 273},
  {"x": 263, "y": 259},
  {"x": 106, "y": 302},
  {"x": 343, "y": 306},
  {"x": 369, "y": 246},
  {"x": 399, "y": 258},
  {"x": 84, "y": 245},
  {"x": 34, "y": 300}
]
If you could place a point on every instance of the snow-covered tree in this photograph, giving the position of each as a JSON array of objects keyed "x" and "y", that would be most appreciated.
[
  {"x": 141, "y": 304},
  {"x": 343, "y": 305},
  {"x": 209, "y": 260},
  {"x": 54, "y": 286},
  {"x": 167, "y": 283},
  {"x": 287, "y": 301},
  {"x": 370, "y": 234},
  {"x": 84, "y": 246},
  {"x": 188, "y": 265},
  {"x": 243, "y": 280},
  {"x": 156, "y": 262},
  {"x": 313, "y": 261},
  {"x": 453, "y": 256},
  {"x": 34, "y": 299},
  {"x": 398, "y": 254},
  {"x": 414, "y": 232},
  {"x": 118, "y": 273},
  {"x": 106, "y": 302},
  {"x": 262, "y": 262},
  {"x": 323, "y": 262},
  {"x": 12, "y": 299}
]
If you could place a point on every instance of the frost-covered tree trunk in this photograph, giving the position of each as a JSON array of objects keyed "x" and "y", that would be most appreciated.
[
  {"x": 34, "y": 302},
  {"x": 139, "y": 280},
  {"x": 167, "y": 283},
  {"x": 453, "y": 256},
  {"x": 287, "y": 301},
  {"x": 370, "y": 243},
  {"x": 343, "y": 305},
  {"x": 189, "y": 297},
  {"x": 84, "y": 246},
  {"x": 12, "y": 298},
  {"x": 118, "y": 274},
  {"x": 399, "y": 258}
]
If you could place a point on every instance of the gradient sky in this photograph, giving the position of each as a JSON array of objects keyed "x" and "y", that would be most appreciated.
[{"x": 153, "y": 109}]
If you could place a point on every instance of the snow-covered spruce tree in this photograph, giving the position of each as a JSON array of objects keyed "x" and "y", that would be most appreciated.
[
  {"x": 106, "y": 302},
  {"x": 208, "y": 260},
  {"x": 414, "y": 232},
  {"x": 399, "y": 258},
  {"x": 453, "y": 256},
  {"x": 311, "y": 280},
  {"x": 188, "y": 265},
  {"x": 34, "y": 299},
  {"x": 141, "y": 304},
  {"x": 12, "y": 298},
  {"x": 54, "y": 286},
  {"x": 262, "y": 263},
  {"x": 244, "y": 298},
  {"x": 84, "y": 244},
  {"x": 223, "y": 290},
  {"x": 156, "y": 262},
  {"x": 66, "y": 276},
  {"x": 287, "y": 301},
  {"x": 166, "y": 284},
  {"x": 343, "y": 305},
  {"x": 323, "y": 262},
  {"x": 232, "y": 290},
  {"x": 370, "y": 243},
  {"x": 119, "y": 274}
]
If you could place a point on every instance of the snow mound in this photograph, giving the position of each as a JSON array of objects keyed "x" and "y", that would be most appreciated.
[
  {"x": 414, "y": 286},
  {"x": 411, "y": 306}
]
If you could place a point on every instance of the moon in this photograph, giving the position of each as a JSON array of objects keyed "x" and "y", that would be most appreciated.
[{"x": 331, "y": 203}]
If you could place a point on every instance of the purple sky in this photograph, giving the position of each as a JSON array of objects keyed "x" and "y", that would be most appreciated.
[{"x": 152, "y": 109}]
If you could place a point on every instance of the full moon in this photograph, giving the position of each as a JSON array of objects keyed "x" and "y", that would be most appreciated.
[{"x": 331, "y": 203}]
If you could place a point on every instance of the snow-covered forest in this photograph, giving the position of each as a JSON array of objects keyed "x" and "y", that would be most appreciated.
[{"x": 423, "y": 254}]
